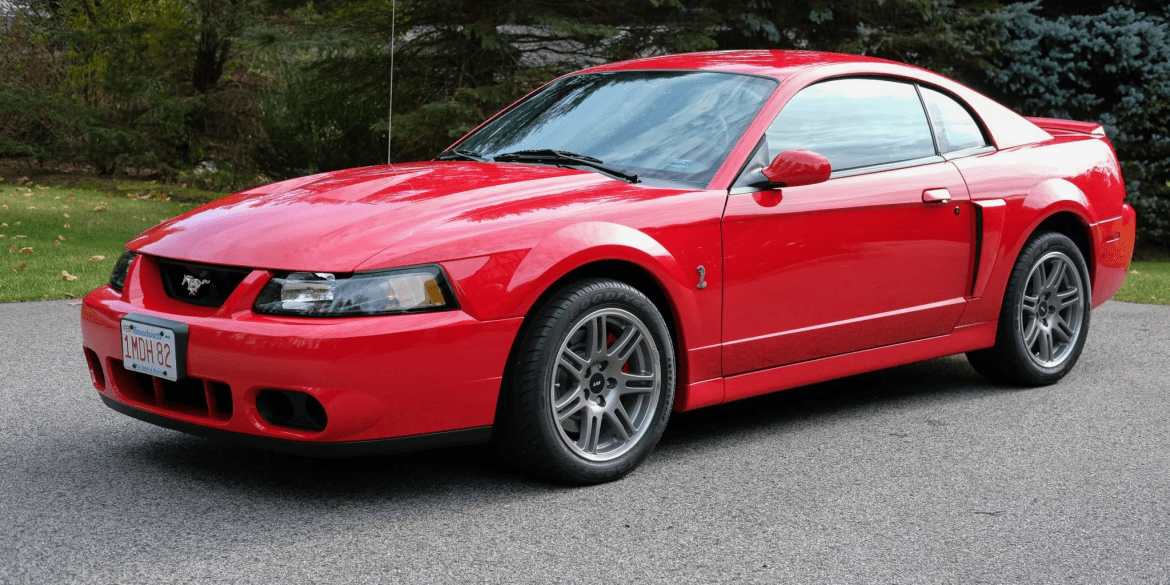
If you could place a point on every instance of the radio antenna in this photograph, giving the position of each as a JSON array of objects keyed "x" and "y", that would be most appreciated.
[{"x": 390, "y": 111}]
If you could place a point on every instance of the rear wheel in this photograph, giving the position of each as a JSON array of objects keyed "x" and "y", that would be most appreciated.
[
  {"x": 592, "y": 384},
  {"x": 1045, "y": 316}
]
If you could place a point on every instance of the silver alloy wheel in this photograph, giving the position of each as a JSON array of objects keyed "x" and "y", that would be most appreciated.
[
  {"x": 605, "y": 385},
  {"x": 1051, "y": 309}
]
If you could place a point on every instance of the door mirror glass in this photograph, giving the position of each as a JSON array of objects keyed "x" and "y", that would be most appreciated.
[{"x": 793, "y": 168}]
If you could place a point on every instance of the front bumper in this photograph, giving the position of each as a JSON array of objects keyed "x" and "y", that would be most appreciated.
[{"x": 377, "y": 378}]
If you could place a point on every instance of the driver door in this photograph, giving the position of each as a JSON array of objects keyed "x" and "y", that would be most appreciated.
[{"x": 861, "y": 260}]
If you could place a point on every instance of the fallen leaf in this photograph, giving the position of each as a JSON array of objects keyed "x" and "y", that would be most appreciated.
[
  {"x": 31, "y": 207},
  {"x": 65, "y": 275},
  {"x": 3, "y": 236},
  {"x": 26, "y": 250},
  {"x": 19, "y": 237},
  {"x": 69, "y": 198},
  {"x": 56, "y": 242},
  {"x": 65, "y": 206},
  {"x": 3, "y": 207},
  {"x": 75, "y": 304},
  {"x": 19, "y": 268},
  {"x": 12, "y": 248},
  {"x": 101, "y": 207},
  {"x": 43, "y": 188},
  {"x": 66, "y": 226},
  {"x": 56, "y": 198},
  {"x": 96, "y": 258},
  {"x": 3, "y": 225},
  {"x": 62, "y": 238},
  {"x": 66, "y": 216}
]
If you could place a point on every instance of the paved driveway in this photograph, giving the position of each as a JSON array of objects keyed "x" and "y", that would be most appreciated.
[{"x": 919, "y": 474}]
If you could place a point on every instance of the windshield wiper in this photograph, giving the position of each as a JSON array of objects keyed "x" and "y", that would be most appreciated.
[
  {"x": 547, "y": 155},
  {"x": 458, "y": 153}
]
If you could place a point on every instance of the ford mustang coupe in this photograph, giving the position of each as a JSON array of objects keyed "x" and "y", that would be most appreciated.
[{"x": 629, "y": 240}]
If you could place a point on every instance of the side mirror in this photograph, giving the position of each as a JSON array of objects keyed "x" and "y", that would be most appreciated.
[{"x": 793, "y": 168}]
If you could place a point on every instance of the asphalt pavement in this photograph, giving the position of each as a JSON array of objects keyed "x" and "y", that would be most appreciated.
[{"x": 924, "y": 473}]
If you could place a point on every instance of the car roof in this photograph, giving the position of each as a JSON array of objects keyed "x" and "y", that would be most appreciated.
[{"x": 772, "y": 63}]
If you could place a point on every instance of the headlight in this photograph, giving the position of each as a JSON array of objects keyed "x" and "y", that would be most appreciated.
[
  {"x": 321, "y": 294},
  {"x": 121, "y": 267}
]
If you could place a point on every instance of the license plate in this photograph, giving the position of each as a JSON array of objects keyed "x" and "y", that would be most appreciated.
[{"x": 154, "y": 346}]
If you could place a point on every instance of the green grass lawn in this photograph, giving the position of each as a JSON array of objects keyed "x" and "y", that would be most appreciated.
[
  {"x": 48, "y": 235},
  {"x": 1147, "y": 282}
]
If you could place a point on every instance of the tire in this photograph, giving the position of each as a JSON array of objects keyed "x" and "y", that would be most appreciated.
[
  {"x": 591, "y": 385},
  {"x": 1045, "y": 316}
]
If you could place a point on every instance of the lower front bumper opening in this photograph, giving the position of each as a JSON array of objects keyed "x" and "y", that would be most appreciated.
[{"x": 472, "y": 436}]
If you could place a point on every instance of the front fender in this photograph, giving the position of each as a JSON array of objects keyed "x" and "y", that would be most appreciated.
[
  {"x": 509, "y": 284},
  {"x": 582, "y": 243}
]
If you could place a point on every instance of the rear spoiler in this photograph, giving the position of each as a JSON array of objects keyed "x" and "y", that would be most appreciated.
[{"x": 1055, "y": 126}]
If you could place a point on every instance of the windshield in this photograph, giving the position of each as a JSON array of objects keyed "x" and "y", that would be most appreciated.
[{"x": 670, "y": 125}]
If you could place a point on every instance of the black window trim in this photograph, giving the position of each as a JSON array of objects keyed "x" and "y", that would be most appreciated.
[
  {"x": 853, "y": 171},
  {"x": 890, "y": 166},
  {"x": 938, "y": 156}
]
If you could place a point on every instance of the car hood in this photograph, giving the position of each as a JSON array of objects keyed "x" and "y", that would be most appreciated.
[{"x": 333, "y": 222}]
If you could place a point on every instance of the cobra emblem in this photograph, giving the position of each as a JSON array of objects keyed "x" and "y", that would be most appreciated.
[{"x": 193, "y": 284}]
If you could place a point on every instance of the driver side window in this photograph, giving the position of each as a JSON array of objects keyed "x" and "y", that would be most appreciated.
[{"x": 855, "y": 123}]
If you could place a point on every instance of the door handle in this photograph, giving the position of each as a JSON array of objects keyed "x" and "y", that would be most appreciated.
[{"x": 936, "y": 196}]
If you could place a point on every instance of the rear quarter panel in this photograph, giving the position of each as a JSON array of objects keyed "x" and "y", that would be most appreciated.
[{"x": 1073, "y": 174}]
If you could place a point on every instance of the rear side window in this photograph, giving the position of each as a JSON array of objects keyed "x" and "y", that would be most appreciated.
[
  {"x": 954, "y": 127},
  {"x": 854, "y": 123}
]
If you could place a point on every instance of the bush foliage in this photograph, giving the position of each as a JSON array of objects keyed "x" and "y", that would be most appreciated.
[
  {"x": 1113, "y": 68},
  {"x": 277, "y": 88}
]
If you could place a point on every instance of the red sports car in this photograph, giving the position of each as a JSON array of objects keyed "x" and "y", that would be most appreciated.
[{"x": 661, "y": 234}]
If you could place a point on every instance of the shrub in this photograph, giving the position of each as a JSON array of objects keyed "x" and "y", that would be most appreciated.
[{"x": 1111, "y": 68}]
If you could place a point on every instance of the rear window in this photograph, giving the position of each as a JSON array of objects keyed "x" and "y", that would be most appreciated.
[{"x": 954, "y": 127}]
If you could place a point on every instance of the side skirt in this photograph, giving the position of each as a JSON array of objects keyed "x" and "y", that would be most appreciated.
[{"x": 964, "y": 338}]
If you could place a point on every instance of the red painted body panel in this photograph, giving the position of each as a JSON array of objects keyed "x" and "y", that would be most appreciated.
[
  {"x": 377, "y": 377},
  {"x": 803, "y": 283},
  {"x": 849, "y": 264}
]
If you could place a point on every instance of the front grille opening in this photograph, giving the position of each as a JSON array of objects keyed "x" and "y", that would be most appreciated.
[
  {"x": 185, "y": 392},
  {"x": 295, "y": 410},
  {"x": 200, "y": 284},
  {"x": 145, "y": 384},
  {"x": 222, "y": 394},
  {"x": 95, "y": 368},
  {"x": 192, "y": 396}
]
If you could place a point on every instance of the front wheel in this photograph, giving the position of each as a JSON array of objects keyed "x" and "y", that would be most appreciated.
[
  {"x": 592, "y": 384},
  {"x": 1045, "y": 316}
]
